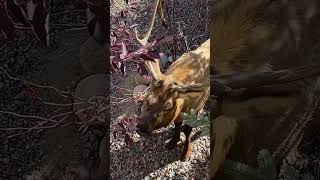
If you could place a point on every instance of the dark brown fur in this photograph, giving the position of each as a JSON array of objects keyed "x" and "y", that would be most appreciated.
[{"x": 257, "y": 36}]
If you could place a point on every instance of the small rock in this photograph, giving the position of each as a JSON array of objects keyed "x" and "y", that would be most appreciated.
[
  {"x": 20, "y": 96},
  {"x": 139, "y": 92},
  {"x": 139, "y": 80}
]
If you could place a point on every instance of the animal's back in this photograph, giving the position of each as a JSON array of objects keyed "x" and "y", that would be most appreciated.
[
  {"x": 260, "y": 35},
  {"x": 192, "y": 67},
  {"x": 249, "y": 34}
]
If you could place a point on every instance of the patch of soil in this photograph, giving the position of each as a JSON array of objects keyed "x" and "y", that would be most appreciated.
[
  {"x": 147, "y": 157},
  {"x": 65, "y": 146},
  {"x": 44, "y": 153}
]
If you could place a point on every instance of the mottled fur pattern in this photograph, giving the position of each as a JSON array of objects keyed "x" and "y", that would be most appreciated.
[
  {"x": 248, "y": 34},
  {"x": 257, "y": 36},
  {"x": 190, "y": 68},
  {"x": 163, "y": 105}
]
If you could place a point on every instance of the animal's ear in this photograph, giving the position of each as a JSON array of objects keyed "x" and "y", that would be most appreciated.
[
  {"x": 154, "y": 69},
  {"x": 173, "y": 92},
  {"x": 198, "y": 87},
  {"x": 158, "y": 83},
  {"x": 179, "y": 107}
]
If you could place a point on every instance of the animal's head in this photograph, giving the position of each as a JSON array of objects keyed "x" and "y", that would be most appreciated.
[
  {"x": 160, "y": 106},
  {"x": 165, "y": 101}
]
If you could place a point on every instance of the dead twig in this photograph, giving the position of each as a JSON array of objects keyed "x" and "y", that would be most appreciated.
[
  {"x": 97, "y": 105},
  {"x": 66, "y": 12},
  {"x": 28, "y": 116},
  {"x": 224, "y": 84},
  {"x": 60, "y": 92},
  {"x": 70, "y": 25},
  {"x": 39, "y": 126},
  {"x": 76, "y": 29}
]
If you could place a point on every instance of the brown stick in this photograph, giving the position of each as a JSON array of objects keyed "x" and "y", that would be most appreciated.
[
  {"x": 223, "y": 84},
  {"x": 199, "y": 87},
  {"x": 144, "y": 40}
]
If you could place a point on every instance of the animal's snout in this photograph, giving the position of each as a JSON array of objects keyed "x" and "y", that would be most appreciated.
[{"x": 141, "y": 128}]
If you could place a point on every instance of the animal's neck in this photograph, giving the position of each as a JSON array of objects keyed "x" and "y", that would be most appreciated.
[{"x": 195, "y": 100}]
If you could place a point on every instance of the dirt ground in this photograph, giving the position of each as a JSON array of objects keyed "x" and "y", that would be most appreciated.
[
  {"x": 148, "y": 157},
  {"x": 51, "y": 152},
  {"x": 64, "y": 146},
  {"x": 48, "y": 154}
]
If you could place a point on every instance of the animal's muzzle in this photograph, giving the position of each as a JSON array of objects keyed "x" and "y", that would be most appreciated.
[{"x": 142, "y": 128}]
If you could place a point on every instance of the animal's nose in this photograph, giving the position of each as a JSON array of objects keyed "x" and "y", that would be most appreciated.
[{"x": 142, "y": 129}]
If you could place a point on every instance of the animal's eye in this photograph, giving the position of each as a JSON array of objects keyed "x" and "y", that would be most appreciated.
[
  {"x": 148, "y": 101},
  {"x": 158, "y": 83},
  {"x": 145, "y": 105},
  {"x": 168, "y": 105}
]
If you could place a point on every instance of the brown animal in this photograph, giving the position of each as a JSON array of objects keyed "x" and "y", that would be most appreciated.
[
  {"x": 184, "y": 86},
  {"x": 256, "y": 36}
]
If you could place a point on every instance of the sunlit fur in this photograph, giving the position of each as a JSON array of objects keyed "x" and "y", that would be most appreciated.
[
  {"x": 190, "y": 68},
  {"x": 257, "y": 36}
]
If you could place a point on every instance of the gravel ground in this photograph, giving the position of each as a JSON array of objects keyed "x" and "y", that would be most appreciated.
[
  {"x": 20, "y": 154},
  {"x": 148, "y": 157},
  {"x": 25, "y": 58}
]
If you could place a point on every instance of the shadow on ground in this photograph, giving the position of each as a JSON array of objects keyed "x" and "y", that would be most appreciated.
[{"x": 150, "y": 154}]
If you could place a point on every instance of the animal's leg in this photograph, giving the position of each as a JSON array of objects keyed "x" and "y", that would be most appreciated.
[
  {"x": 223, "y": 131},
  {"x": 176, "y": 135},
  {"x": 187, "y": 149}
]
